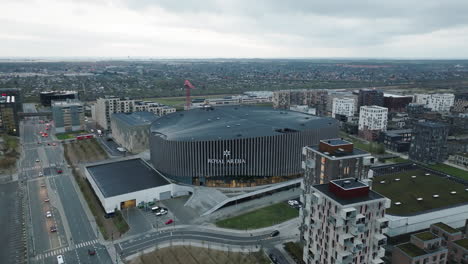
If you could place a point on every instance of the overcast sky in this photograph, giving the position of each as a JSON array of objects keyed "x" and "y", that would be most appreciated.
[{"x": 234, "y": 28}]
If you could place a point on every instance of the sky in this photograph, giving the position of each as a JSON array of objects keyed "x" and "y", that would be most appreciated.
[{"x": 234, "y": 28}]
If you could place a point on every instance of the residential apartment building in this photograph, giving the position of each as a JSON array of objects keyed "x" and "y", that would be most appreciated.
[
  {"x": 397, "y": 140},
  {"x": 436, "y": 102},
  {"x": 460, "y": 159},
  {"x": 343, "y": 106},
  {"x": 107, "y": 106},
  {"x": 429, "y": 142},
  {"x": 372, "y": 121},
  {"x": 343, "y": 222},
  {"x": 68, "y": 115},
  {"x": 460, "y": 104},
  {"x": 313, "y": 98},
  {"x": 458, "y": 251},
  {"x": 370, "y": 97},
  {"x": 334, "y": 159},
  {"x": 396, "y": 103},
  {"x": 423, "y": 248},
  {"x": 10, "y": 106},
  {"x": 153, "y": 107}
]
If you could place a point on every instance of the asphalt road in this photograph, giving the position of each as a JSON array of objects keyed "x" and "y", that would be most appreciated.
[
  {"x": 74, "y": 234},
  {"x": 134, "y": 245}
]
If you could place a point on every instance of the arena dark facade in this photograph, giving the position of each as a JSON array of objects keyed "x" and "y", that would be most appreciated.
[{"x": 234, "y": 146}]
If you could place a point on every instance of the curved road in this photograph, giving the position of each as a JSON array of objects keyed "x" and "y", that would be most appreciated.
[{"x": 132, "y": 246}]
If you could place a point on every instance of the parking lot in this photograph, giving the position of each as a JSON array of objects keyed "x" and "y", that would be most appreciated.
[{"x": 142, "y": 220}]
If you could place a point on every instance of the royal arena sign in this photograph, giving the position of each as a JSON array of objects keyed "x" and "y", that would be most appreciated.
[{"x": 226, "y": 160}]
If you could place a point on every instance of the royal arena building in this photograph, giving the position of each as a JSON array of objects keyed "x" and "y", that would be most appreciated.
[{"x": 234, "y": 146}]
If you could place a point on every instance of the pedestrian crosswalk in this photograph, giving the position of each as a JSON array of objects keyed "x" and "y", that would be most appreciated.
[
  {"x": 31, "y": 168},
  {"x": 65, "y": 249}
]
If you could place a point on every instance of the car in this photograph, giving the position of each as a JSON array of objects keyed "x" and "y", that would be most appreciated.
[
  {"x": 54, "y": 144},
  {"x": 170, "y": 221},
  {"x": 37, "y": 160},
  {"x": 40, "y": 132},
  {"x": 155, "y": 208},
  {"x": 48, "y": 144},
  {"x": 151, "y": 203},
  {"x": 48, "y": 214},
  {"x": 47, "y": 200},
  {"x": 274, "y": 233},
  {"x": 91, "y": 252},
  {"x": 59, "y": 171},
  {"x": 53, "y": 229},
  {"x": 293, "y": 202},
  {"x": 38, "y": 143},
  {"x": 40, "y": 174},
  {"x": 60, "y": 259},
  {"x": 161, "y": 212}
]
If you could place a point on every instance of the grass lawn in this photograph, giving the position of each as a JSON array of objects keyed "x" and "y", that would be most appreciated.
[
  {"x": 295, "y": 250},
  {"x": 407, "y": 190},
  {"x": 69, "y": 135},
  {"x": 455, "y": 172},
  {"x": 199, "y": 255},
  {"x": 263, "y": 217}
]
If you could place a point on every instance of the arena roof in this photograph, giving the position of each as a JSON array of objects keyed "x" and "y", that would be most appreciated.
[
  {"x": 126, "y": 176},
  {"x": 234, "y": 122}
]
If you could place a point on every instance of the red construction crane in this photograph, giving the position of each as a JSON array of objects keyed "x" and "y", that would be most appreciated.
[{"x": 188, "y": 86}]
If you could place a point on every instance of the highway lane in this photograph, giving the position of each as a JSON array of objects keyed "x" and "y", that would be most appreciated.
[{"x": 134, "y": 245}]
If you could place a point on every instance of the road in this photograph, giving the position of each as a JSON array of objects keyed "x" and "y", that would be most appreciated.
[
  {"x": 41, "y": 158},
  {"x": 137, "y": 244}
]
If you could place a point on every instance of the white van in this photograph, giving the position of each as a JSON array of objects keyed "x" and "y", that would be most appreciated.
[{"x": 60, "y": 259}]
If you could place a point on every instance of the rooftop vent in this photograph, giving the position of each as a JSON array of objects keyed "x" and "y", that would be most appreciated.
[
  {"x": 347, "y": 182},
  {"x": 397, "y": 203},
  {"x": 435, "y": 196},
  {"x": 453, "y": 192}
]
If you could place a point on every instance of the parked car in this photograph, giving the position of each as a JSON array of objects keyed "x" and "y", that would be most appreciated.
[
  {"x": 59, "y": 170},
  {"x": 46, "y": 200},
  {"x": 54, "y": 144},
  {"x": 91, "y": 252},
  {"x": 161, "y": 212},
  {"x": 293, "y": 202},
  {"x": 155, "y": 208},
  {"x": 53, "y": 229},
  {"x": 37, "y": 160},
  {"x": 48, "y": 214},
  {"x": 40, "y": 174},
  {"x": 170, "y": 221},
  {"x": 60, "y": 259}
]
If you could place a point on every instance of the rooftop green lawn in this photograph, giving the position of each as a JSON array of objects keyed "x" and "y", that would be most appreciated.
[
  {"x": 463, "y": 154},
  {"x": 424, "y": 236},
  {"x": 463, "y": 243},
  {"x": 446, "y": 227},
  {"x": 263, "y": 217},
  {"x": 411, "y": 250},
  {"x": 455, "y": 172},
  {"x": 407, "y": 190}
]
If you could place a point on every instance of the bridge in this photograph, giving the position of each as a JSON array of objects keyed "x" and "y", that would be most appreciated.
[{"x": 30, "y": 114}]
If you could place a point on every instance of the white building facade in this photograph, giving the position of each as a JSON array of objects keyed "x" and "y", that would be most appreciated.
[
  {"x": 344, "y": 222},
  {"x": 373, "y": 118},
  {"x": 343, "y": 106},
  {"x": 107, "y": 106},
  {"x": 436, "y": 102}
]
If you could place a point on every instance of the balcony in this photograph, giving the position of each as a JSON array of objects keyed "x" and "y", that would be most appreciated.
[
  {"x": 348, "y": 213},
  {"x": 380, "y": 240},
  {"x": 344, "y": 257},
  {"x": 377, "y": 261},
  {"x": 383, "y": 223},
  {"x": 358, "y": 246},
  {"x": 346, "y": 240},
  {"x": 381, "y": 252}
]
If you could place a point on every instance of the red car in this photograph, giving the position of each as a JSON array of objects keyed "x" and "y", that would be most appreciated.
[
  {"x": 170, "y": 221},
  {"x": 59, "y": 171}
]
